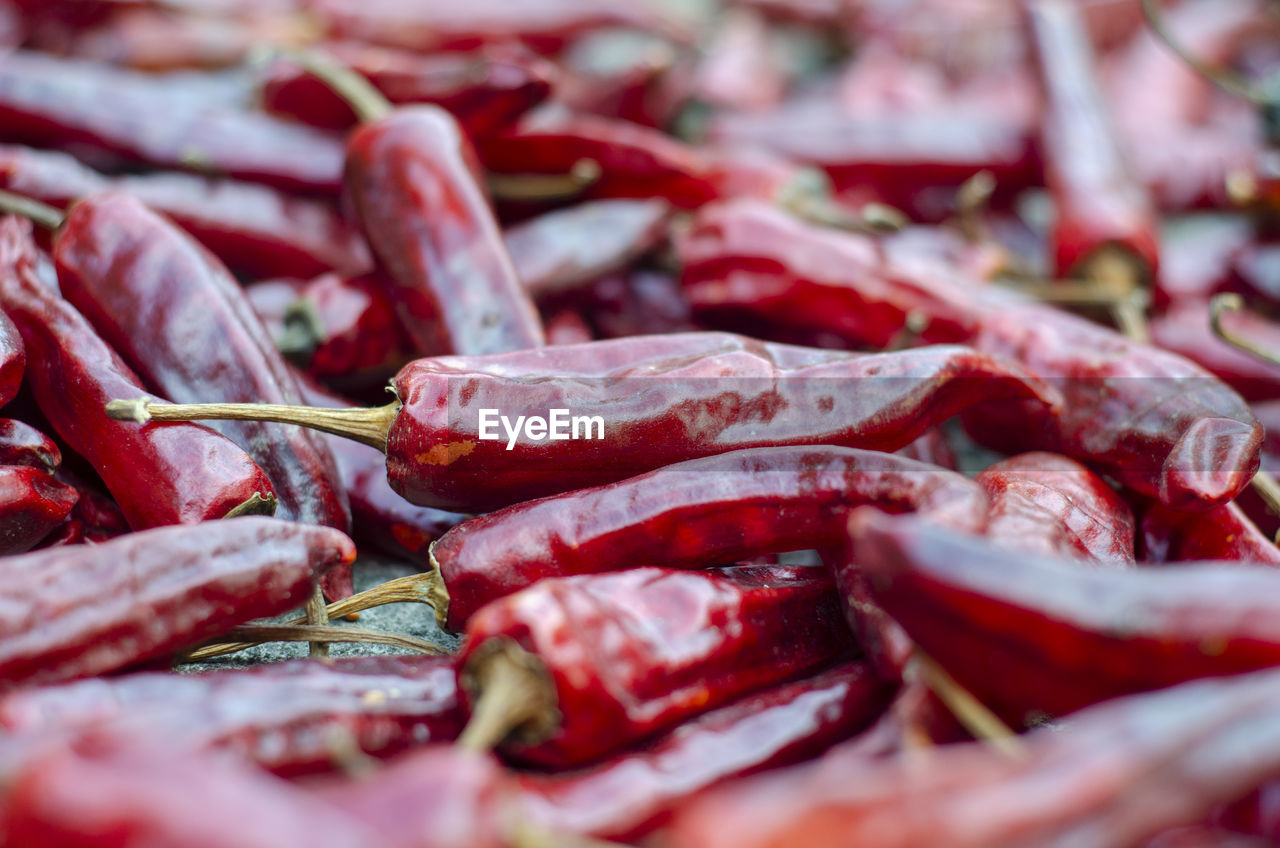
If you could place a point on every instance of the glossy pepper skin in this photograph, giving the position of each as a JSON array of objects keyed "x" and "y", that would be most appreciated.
[
  {"x": 255, "y": 229},
  {"x": 1049, "y": 504},
  {"x": 1040, "y": 636},
  {"x": 486, "y": 90},
  {"x": 1223, "y": 533},
  {"x": 280, "y": 716},
  {"x": 1183, "y": 747},
  {"x": 176, "y": 314},
  {"x": 1098, "y": 201},
  {"x": 22, "y": 444},
  {"x": 158, "y": 473},
  {"x": 725, "y": 508},
  {"x": 49, "y": 102},
  {"x": 634, "y": 792},
  {"x": 1156, "y": 422},
  {"x": 13, "y": 359},
  {"x": 95, "y": 518},
  {"x": 32, "y": 503},
  {"x": 414, "y": 182},
  {"x": 78, "y": 611},
  {"x": 665, "y": 399},
  {"x": 633, "y": 652}
]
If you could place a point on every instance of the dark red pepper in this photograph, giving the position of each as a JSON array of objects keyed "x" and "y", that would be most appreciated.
[
  {"x": 13, "y": 359},
  {"x": 95, "y": 518},
  {"x": 22, "y": 444},
  {"x": 1223, "y": 533},
  {"x": 1186, "y": 330},
  {"x": 568, "y": 326},
  {"x": 32, "y": 503}
]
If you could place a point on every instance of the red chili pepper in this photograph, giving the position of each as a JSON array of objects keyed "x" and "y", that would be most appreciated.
[
  {"x": 1224, "y": 533},
  {"x": 1176, "y": 433},
  {"x": 638, "y": 303},
  {"x": 281, "y": 716},
  {"x": 158, "y": 474},
  {"x": 177, "y": 316},
  {"x": 1048, "y": 504},
  {"x": 932, "y": 447},
  {"x": 255, "y": 229},
  {"x": 568, "y": 326},
  {"x": 1197, "y": 258},
  {"x": 581, "y": 666},
  {"x": 32, "y": 503},
  {"x": 1099, "y": 206},
  {"x": 724, "y": 508},
  {"x": 624, "y": 74},
  {"x": 1102, "y": 768},
  {"x": 57, "y": 102},
  {"x": 80, "y": 611},
  {"x": 22, "y": 444},
  {"x": 94, "y": 519},
  {"x": 486, "y": 91},
  {"x": 135, "y": 791},
  {"x": 1035, "y": 636},
  {"x": 13, "y": 359},
  {"x": 1186, "y": 330},
  {"x": 634, "y": 792}
]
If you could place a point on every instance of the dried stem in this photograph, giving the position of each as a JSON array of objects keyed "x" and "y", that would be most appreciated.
[
  {"x": 41, "y": 214},
  {"x": 1225, "y": 80},
  {"x": 545, "y": 187},
  {"x": 972, "y": 713},
  {"x": 316, "y": 617},
  {"x": 512, "y": 694},
  {"x": 367, "y": 102},
  {"x": 369, "y": 425},
  {"x": 248, "y": 635},
  {"x": 1230, "y": 302},
  {"x": 257, "y": 504}
]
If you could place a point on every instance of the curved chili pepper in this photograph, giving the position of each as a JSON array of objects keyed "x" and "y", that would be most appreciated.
[
  {"x": 158, "y": 474},
  {"x": 1186, "y": 330},
  {"x": 80, "y": 611},
  {"x": 253, "y": 228},
  {"x": 1047, "y": 504},
  {"x": 1103, "y": 767},
  {"x": 607, "y": 659},
  {"x": 630, "y": 794},
  {"x": 1224, "y": 533},
  {"x": 22, "y": 444},
  {"x": 32, "y": 503},
  {"x": 281, "y": 716},
  {"x": 724, "y": 508},
  {"x": 55, "y": 102},
  {"x": 1031, "y": 636},
  {"x": 1151, "y": 419},
  {"x": 486, "y": 90},
  {"x": 179, "y": 318},
  {"x": 13, "y": 359},
  {"x": 413, "y": 180}
]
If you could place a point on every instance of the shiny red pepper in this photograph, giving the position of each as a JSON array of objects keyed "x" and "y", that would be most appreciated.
[
  {"x": 1037, "y": 636},
  {"x": 13, "y": 359},
  {"x": 620, "y": 656},
  {"x": 255, "y": 229},
  {"x": 32, "y": 503},
  {"x": 725, "y": 508},
  {"x": 85, "y": 610},
  {"x": 94, "y": 519},
  {"x": 160, "y": 474},
  {"x": 1224, "y": 533}
]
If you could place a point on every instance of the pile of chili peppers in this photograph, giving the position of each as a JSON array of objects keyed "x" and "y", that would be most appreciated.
[{"x": 824, "y": 422}]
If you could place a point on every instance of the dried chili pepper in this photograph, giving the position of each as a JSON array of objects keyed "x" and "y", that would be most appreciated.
[
  {"x": 568, "y": 326},
  {"x": 1049, "y": 504},
  {"x": 13, "y": 359},
  {"x": 575, "y": 667},
  {"x": 79, "y": 611},
  {"x": 1151, "y": 419},
  {"x": 631, "y": 793},
  {"x": 1031, "y": 636},
  {"x": 1185, "y": 329},
  {"x": 724, "y": 508},
  {"x": 159, "y": 475},
  {"x": 1183, "y": 746},
  {"x": 32, "y": 503},
  {"x": 486, "y": 91},
  {"x": 94, "y": 519},
  {"x": 22, "y": 444},
  {"x": 638, "y": 303},
  {"x": 658, "y": 400},
  {"x": 932, "y": 447},
  {"x": 1223, "y": 533},
  {"x": 253, "y": 228},
  {"x": 290, "y": 717}
]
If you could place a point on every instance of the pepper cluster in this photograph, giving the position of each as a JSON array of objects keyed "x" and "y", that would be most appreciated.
[{"x": 934, "y": 358}]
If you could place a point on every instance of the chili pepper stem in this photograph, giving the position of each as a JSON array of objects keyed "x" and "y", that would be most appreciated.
[
  {"x": 367, "y": 102},
  {"x": 1231, "y": 302},
  {"x": 512, "y": 693},
  {"x": 437, "y": 592},
  {"x": 1268, "y": 488},
  {"x": 316, "y": 617},
  {"x": 303, "y": 331},
  {"x": 1121, "y": 271},
  {"x": 368, "y": 425},
  {"x": 257, "y": 504},
  {"x": 248, "y": 635},
  {"x": 39, "y": 213},
  {"x": 518, "y": 187},
  {"x": 972, "y": 713},
  {"x": 972, "y": 199}
]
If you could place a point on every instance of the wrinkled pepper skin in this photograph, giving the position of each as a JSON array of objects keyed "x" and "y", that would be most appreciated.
[
  {"x": 1035, "y": 636},
  {"x": 13, "y": 359},
  {"x": 485, "y": 91},
  {"x": 255, "y": 229},
  {"x": 110, "y": 793},
  {"x": 1119, "y": 773},
  {"x": 665, "y": 399},
  {"x": 50, "y": 102},
  {"x": 725, "y": 508},
  {"x": 22, "y": 444},
  {"x": 1156, "y": 422},
  {"x": 633, "y": 652},
  {"x": 32, "y": 503},
  {"x": 78, "y": 611},
  {"x": 1048, "y": 504},
  {"x": 280, "y": 716},
  {"x": 1223, "y": 533},
  {"x": 159, "y": 473},
  {"x": 632, "y": 793},
  {"x": 176, "y": 314},
  {"x": 414, "y": 182}
]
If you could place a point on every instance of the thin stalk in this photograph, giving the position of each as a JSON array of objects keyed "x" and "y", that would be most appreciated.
[
  {"x": 512, "y": 694},
  {"x": 367, "y": 102},
  {"x": 976, "y": 718},
  {"x": 1231, "y": 302},
  {"x": 41, "y": 214},
  {"x": 249, "y": 635}
]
